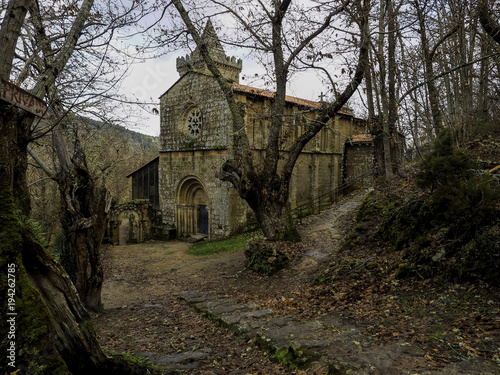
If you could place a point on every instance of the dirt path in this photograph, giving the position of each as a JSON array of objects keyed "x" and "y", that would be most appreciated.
[
  {"x": 144, "y": 317},
  {"x": 148, "y": 312}
]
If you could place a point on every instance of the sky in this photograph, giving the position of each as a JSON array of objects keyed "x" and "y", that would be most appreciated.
[{"x": 148, "y": 80}]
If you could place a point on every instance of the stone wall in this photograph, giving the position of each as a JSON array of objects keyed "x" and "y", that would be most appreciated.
[
  {"x": 227, "y": 212},
  {"x": 132, "y": 222},
  {"x": 196, "y": 140},
  {"x": 359, "y": 160},
  {"x": 194, "y": 90}
]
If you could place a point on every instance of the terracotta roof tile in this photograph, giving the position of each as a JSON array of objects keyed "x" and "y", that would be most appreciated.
[
  {"x": 362, "y": 138},
  {"x": 269, "y": 94}
]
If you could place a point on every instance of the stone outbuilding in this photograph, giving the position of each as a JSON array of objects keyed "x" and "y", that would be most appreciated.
[{"x": 196, "y": 140}]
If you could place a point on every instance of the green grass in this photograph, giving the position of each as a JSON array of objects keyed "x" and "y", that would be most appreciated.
[{"x": 223, "y": 246}]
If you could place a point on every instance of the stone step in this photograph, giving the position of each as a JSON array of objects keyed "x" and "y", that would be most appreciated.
[
  {"x": 196, "y": 237},
  {"x": 325, "y": 346}
]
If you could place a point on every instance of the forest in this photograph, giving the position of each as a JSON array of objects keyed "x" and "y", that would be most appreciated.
[{"x": 427, "y": 70}]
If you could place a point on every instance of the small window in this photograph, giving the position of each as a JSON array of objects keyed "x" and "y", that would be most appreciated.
[{"x": 194, "y": 122}]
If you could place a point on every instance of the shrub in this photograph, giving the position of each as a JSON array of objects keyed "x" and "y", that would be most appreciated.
[
  {"x": 461, "y": 199},
  {"x": 449, "y": 229},
  {"x": 444, "y": 167}
]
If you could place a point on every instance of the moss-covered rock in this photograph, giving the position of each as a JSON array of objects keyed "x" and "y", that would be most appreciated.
[
  {"x": 264, "y": 256},
  {"x": 294, "y": 356}
]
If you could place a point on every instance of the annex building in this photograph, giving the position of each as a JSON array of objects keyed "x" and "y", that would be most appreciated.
[{"x": 196, "y": 139}]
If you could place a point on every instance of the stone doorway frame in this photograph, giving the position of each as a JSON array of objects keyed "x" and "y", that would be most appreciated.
[
  {"x": 191, "y": 196},
  {"x": 141, "y": 217}
]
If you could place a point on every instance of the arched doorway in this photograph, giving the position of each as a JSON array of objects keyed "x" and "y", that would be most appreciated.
[
  {"x": 192, "y": 207},
  {"x": 132, "y": 222}
]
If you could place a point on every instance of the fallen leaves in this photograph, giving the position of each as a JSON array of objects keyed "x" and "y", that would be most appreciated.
[{"x": 359, "y": 287}]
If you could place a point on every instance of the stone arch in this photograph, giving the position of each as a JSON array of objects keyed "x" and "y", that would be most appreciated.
[
  {"x": 192, "y": 207},
  {"x": 131, "y": 222}
]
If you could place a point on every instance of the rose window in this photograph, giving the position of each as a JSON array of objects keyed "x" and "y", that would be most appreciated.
[{"x": 194, "y": 122}]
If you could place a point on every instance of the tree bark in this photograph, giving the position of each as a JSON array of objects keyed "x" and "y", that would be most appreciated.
[
  {"x": 53, "y": 331},
  {"x": 428, "y": 54},
  {"x": 83, "y": 233},
  {"x": 271, "y": 210},
  {"x": 9, "y": 32},
  {"x": 392, "y": 105},
  {"x": 84, "y": 216},
  {"x": 383, "y": 131},
  {"x": 491, "y": 27}
]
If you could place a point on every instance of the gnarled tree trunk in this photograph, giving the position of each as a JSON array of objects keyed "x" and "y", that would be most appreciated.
[
  {"x": 84, "y": 215},
  {"x": 50, "y": 331},
  {"x": 270, "y": 205}
]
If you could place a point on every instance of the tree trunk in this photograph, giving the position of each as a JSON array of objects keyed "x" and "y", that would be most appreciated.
[
  {"x": 48, "y": 331},
  {"x": 275, "y": 219},
  {"x": 429, "y": 54},
  {"x": 81, "y": 258},
  {"x": 392, "y": 105},
  {"x": 384, "y": 92},
  {"x": 484, "y": 87},
  {"x": 490, "y": 25},
  {"x": 84, "y": 216}
]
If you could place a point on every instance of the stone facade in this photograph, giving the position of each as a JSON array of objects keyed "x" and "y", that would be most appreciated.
[
  {"x": 132, "y": 222},
  {"x": 196, "y": 140},
  {"x": 360, "y": 158}
]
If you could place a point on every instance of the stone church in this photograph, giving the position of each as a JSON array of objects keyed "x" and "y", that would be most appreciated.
[{"x": 195, "y": 141}]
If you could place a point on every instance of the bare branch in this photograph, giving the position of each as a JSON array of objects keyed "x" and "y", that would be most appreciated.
[
  {"x": 449, "y": 71},
  {"x": 48, "y": 171},
  {"x": 487, "y": 21},
  {"x": 9, "y": 33}
]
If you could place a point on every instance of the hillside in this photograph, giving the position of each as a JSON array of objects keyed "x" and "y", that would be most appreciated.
[
  {"x": 405, "y": 282},
  {"x": 142, "y": 141},
  {"x": 423, "y": 261},
  {"x": 112, "y": 152},
  {"x": 442, "y": 214}
]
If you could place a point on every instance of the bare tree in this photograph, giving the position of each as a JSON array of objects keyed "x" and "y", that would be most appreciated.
[
  {"x": 383, "y": 82},
  {"x": 54, "y": 332},
  {"x": 87, "y": 78},
  {"x": 263, "y": 185},
  {"x": 447, "y": 80}
]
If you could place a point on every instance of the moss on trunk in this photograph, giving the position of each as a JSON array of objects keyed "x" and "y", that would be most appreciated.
[
  {"x": 29, "y": 334},
  {"x": 49, "y": 331},
  {"x": 52, "y": 332}
]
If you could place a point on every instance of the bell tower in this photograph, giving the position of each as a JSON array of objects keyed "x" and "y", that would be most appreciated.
[{"x": 230, "y": 67}]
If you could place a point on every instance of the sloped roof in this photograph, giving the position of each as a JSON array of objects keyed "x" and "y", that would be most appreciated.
[
  {"x": 143, "y": 166},
  {"x": 265, "y": 94},
  {"x": 269, "y": 94},
  {"x": 360, "y": 138}
]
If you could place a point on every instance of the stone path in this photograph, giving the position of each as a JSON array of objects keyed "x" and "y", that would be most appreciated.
[
  {"x": 332, "y": 221},
  {"x": 325, "y": 346}
]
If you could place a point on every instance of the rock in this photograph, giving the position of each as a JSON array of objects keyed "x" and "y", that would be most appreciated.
[{"x": 264, "y": 256}]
